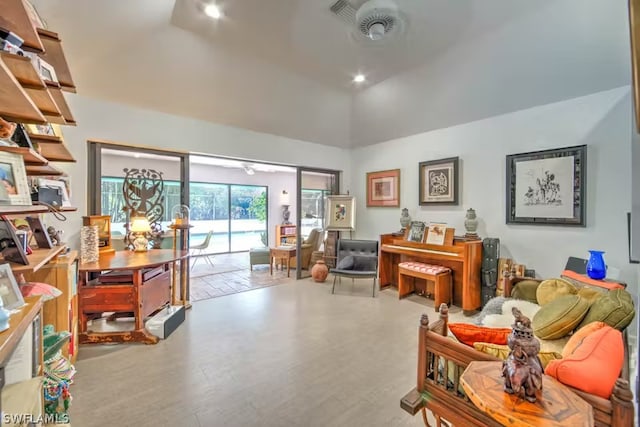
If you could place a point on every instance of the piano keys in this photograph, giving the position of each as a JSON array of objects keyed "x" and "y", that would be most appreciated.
[{"x": 464, "y": 258}]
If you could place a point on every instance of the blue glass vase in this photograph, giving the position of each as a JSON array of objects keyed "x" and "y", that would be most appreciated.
[{"x": 596, "y": 268}]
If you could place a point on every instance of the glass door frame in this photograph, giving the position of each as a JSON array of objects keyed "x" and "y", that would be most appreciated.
[{"x": 300, "y": 170}]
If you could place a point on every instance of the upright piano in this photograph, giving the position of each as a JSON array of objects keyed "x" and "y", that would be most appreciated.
[{"x": 464, "y": 258}]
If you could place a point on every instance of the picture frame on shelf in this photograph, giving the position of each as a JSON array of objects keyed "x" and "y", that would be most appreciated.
[
  {"x": 39, "y": 232},
  {"x": 13, "y": 179},
  {"x": 547, "y": 187},
  {"x": 383, "y": 188},
  {"x": 57, "y": 185},
  {"x": 9, "y": 290},
  {"x": 416, "y": 231},
  {"x": 10, "y": 244},
  {"x": 46, "y": 129},
  {"x": 438, "y": 182},
  {"x": 21, "y": 137},
  {"x": 340, "y": 212}
]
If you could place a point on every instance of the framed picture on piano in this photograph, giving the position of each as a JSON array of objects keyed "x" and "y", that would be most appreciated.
[{"x": 416, "y": 231}]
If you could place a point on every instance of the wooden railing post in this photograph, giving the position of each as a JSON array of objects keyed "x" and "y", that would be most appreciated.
[
  {"x": 422, "y": 351},
  {"x": 622, "y": 404}
]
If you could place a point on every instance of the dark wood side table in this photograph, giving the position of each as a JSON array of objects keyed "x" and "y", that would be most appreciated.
[
  {"x": 284, "y": 253},
  {"x": 141, "y": 295},
  {"x": 558, "y": 406}
]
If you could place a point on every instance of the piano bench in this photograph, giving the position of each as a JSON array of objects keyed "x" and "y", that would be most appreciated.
[{"x": 439, "y": 275}]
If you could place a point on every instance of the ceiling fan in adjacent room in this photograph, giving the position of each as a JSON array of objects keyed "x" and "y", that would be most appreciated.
[{"x": 374, "y": 20}]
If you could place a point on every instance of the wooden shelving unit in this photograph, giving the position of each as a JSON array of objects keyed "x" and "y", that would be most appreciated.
[
  {"x": 30, "y": 156},
  {"x": 42, "y": 170},
  {"x": 28, "y": 98},
  {"x": 16, "y": 104},
  {"x": 37, "y": 259},
  {"x": 286, "y": 234}
]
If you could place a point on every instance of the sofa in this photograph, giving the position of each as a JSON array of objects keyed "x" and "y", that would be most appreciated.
[{"x": 439, "y": 391}]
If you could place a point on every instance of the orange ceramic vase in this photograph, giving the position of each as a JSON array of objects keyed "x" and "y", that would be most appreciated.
[{"x": 319, "y": 271}]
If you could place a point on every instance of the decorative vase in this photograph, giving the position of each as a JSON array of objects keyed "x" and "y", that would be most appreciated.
[
  {"x": 405, "y": 218},
  {"x": 596, "y": 268},
  {"x": 471, "y": 223},
  {"x": 319, "y": 271},
  {"x": 89, "y": 244}
]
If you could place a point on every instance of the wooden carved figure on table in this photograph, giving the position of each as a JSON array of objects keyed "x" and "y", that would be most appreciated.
[
  {"x": 55, "y": 236},
  {"x": 522, "y": 371}
]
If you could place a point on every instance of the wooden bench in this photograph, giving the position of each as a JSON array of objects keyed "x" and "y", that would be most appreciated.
[{"x": 439, "y": 275}]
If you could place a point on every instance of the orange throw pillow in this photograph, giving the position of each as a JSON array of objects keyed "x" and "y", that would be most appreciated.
[
  {"x": 469, "y": 334},
  {"x": 594, "y": 365},
  {"x": 579, "y": 336}
]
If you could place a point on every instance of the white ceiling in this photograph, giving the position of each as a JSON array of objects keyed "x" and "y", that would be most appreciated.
[{"x": 285, "y": 66}]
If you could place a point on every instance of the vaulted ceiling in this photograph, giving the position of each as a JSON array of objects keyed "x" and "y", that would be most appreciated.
[{"x": 285, "y": 66}]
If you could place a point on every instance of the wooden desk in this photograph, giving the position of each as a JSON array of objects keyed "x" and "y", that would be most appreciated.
[
  {"x": 281, "y": 252},
  {"x": 139, "y": 296},
  {"x": 464, "y": 258},
  {"x": 558, "y": 406}
]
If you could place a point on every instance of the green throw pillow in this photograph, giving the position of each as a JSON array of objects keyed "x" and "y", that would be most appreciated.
[
  {"x": 551, "y": 289},
  {"x": 559, "y": 317},
  {"x": 615, "y": 308},
  {"x": 526, "y": 290}
]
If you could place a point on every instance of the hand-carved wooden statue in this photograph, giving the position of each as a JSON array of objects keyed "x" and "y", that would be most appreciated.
[{"x": 522, "y": 371}]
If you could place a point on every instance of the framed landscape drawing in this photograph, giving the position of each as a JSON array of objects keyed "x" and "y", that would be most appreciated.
[
  {"x": 547, "y": 187},
  {"x": 340, "y": 213},
  {"x": 383, "y": 188},
  {"x": 438, "y": 182}
]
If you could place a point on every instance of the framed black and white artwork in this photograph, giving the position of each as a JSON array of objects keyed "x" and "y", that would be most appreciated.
[
  {"x": 438, "y": 182},
  {"x": 547, "y": 187}
]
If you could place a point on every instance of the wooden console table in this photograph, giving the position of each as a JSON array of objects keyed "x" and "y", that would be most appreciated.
[{"x": 140, "y": 296}]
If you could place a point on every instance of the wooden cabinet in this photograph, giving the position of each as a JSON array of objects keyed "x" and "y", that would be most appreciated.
[
  {"x": 286, "y": 234},
  {"x": 61, "y": 312}
]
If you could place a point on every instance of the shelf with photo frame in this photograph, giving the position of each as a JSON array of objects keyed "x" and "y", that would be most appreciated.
[{"x": 32, "y": 88}]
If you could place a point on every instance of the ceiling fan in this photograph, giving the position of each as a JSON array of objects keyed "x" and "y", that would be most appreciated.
[{"x": 374, "y": 20}]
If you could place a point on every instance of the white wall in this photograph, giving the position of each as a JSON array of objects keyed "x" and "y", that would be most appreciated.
[
  {"x": 99, "y": 119},
  {"x": 602, "y": 121}
]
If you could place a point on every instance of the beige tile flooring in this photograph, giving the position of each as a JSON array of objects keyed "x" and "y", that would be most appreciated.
[
  {"x": 230, "y": 274},
  {"x": 288, "y": 355}
]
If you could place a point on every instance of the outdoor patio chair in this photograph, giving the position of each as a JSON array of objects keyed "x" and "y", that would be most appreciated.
[{"x": 200, "y": 250}]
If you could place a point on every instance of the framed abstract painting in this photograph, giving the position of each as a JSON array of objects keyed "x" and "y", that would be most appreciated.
[{"x": 383, "y": 188}]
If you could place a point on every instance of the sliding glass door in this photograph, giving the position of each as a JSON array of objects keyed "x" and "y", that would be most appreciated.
[
  {"x": 210, "y": 212},
  {"x": 248, "y": 216}
]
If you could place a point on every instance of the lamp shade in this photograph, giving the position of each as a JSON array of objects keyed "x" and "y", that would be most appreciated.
[
  {"x": 140, "y": 224},
  {"x": 284, "y": 198}
]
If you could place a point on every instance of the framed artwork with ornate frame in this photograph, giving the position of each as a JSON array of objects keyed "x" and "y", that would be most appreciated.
[
  {"x": 383, "y": 188},
  {"x": 340, "y": 213},
  {"x": 547, "y": 187},
  {"x": 438, "y": 182}
]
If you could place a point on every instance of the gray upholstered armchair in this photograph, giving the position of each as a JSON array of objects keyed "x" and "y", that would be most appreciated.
[{"x": 357, "y": 259}]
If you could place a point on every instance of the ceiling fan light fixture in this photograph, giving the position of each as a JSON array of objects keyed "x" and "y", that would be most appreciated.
[
  {"x": 359, "y": 78},
  {"x": 213, "y": 11},
  {"x": 376, "y": 31}
]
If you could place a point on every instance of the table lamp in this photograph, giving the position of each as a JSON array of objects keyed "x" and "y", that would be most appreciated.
[{"x": 140, "y": 227}]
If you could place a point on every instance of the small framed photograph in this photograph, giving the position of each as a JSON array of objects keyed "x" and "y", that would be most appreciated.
[
  {"x": 11, "y": 246},
  {"x": 340, "y": 213},
  {"x": 383, "y": 188},
  {"x": 61, "y": 186},
  {"x": 436, "y": 233},
  {"x": 547, "y": 187},
  {"x": 47, "y": 129},
  {"x": 438, "y": 182},
  {"x": 9, "y": 290},
  {"x": 416, "y": 231},
  {"x": 13, "y": 177}
]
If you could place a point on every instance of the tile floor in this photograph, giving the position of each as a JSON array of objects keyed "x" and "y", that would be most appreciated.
[
  {"x": 230, "y": 274},
  {"x": 288, "y": 355}
]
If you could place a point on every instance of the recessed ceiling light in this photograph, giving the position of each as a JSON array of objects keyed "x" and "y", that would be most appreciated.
[
  {"x": 212, "y": 11},
  {"x": 359, "y": 78}
]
